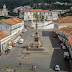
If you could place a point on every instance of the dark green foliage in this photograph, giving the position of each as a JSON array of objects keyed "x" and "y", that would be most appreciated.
[
  {"x": 2, "y": 17},
  {"x": 11, "y": 4},
  {"x": 13, "y": 14}
]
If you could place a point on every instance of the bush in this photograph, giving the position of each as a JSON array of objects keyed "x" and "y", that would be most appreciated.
[
  {"x": 46, "y": 20},
  {"x": 1, "y": 17},
  {"x": 34, "y": 20}
]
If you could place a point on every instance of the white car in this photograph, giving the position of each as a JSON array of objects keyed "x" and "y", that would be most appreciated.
[
  {"x": 25, "y": 30},
  {"x": 57, "y": 68},
  {"x": 32, "y": 35},
  {"x": 63, "y": 47},
  {"x": 66, "y": 55},
  {"x": 15, "y": 41},
  {"x": 61, "y": 44},
  {"x": 10, "y": 47},
  {"x": 21, "y": 41}
]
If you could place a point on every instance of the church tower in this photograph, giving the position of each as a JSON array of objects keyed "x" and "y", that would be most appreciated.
[
  {"x": 4, "y": 6},
  {"x": 4, "y": 11}
]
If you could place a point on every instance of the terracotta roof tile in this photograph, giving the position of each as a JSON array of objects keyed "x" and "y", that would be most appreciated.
[
  {"x": 62, "y": 29},
  {"x": 67, "y": 30},
  {"x": 12, "y": 21},
  {"x": 67, "y": 19},
  {"x": 70, "y": 40},
  {"x": 1, "y": 9},
  {"x": 38, "y": 10},
  {"x": 3, "y": 35}
]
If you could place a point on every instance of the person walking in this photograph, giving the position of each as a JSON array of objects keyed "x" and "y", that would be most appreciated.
[
  {"x": 20, "y": 64},
  {"x": 34, "y": 67}
]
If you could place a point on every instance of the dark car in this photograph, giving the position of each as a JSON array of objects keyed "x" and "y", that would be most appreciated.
[
  {"x": 8, "y": 50},
  {"x": 54, "y": 35}
]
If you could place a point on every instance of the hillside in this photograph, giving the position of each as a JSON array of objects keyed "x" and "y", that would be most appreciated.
[{"x": 15, "y": 3}]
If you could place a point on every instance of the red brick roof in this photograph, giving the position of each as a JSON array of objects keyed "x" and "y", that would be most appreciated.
[
  {"x": 3, "y": 35},
  {"x": 12, "y": 21},
  {"x": 70, "y": 40},
  {"x": 67, "y": 30},
  {"x": 37, "y": 10},
  {"x": 1, "y": 9},
  {"x": 67, "y": 19}
]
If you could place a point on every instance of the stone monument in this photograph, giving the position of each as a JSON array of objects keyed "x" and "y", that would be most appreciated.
[{"x": 36, "y": 45}]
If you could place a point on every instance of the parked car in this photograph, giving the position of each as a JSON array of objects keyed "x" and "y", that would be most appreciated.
[
  {"x": 54, "y": 34},
  {"x": 61, "y": 44},
  {"x": 63, "y": 47},
  {"x": 21, "y": 41},
  {"x": 32, "y": 35},
  {"x": 66, "y": 55},
  {"x": 10, "y": 47},
  {"x": 8, "y": 50},
  {"x": 15, "y": 41},
  {"x": 57, "y": 68}
]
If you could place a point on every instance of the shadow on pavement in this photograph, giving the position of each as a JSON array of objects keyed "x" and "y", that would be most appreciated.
[{"x": 57, "y": 56}]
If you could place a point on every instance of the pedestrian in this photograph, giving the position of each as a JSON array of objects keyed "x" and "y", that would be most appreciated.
[
  {"x": 24, "y": 56},
  {"x": 0, "y": 53},
  {"x": 20, "y": 64},
  {"x": 34, "y": 67}
]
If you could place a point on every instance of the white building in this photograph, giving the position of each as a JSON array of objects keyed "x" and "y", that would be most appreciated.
[
  {"x": 63, "y": 22},
  {"x": 48, "y": 15},
  {"x": 10, "y": 29},
  {"x": 4, "y": 11}
]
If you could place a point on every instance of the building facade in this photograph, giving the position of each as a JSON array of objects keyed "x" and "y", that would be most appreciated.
[
  {"x": 12, "y": 27},
  {"x": 46, "y": 14},
  {"x": 63, "y": 22}
]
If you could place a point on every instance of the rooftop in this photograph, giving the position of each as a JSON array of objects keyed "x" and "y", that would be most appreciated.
[
  {"x": 1, "y": 9},
  {"x": 67, "y": 30},
  {"x": 38, "y": 10},
  {"x": 70, "y": 40},
  {"x": 12, "y": 21},
  {"x": 67, "y": 19},
  {"x": 3, "y": 35}
]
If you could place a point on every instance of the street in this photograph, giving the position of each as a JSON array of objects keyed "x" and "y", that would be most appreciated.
[{"x": 45, "y": 62}]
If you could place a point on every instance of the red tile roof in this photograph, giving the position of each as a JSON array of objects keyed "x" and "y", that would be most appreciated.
[
  {"x": 1, "y": 9},
  {"x": 62, "y": 29},
  {"x": 3, "y": 35},
  {"x": 38, "y": 10},
  {"x": 67, "y": 19},
  {"x": 67, "y": 30},
  {"x": 12, "y": 21},
  {"x": 70, "y": 40}
]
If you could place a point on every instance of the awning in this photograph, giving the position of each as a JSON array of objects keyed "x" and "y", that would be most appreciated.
[{"x": 12, "y": 44}]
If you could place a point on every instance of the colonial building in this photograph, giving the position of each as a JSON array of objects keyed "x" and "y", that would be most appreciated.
[
  {"x": 46, "y": 14},
  {"x": 65, "y": 36},
  {"x": 4, "y": 11},
  {"x": 63, "y": 22},
  {"x": 10, "y": 29},
  {"x": 11, "y": 25}
]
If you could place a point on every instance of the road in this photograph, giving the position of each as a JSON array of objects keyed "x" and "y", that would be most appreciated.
[{"x": 44, "y": 62}]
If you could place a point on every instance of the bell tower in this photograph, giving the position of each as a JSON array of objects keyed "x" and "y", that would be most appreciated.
[{"x": 4, "y": 6}]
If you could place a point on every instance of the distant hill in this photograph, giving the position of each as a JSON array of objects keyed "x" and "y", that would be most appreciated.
[{"x": 15, "y": 3}]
